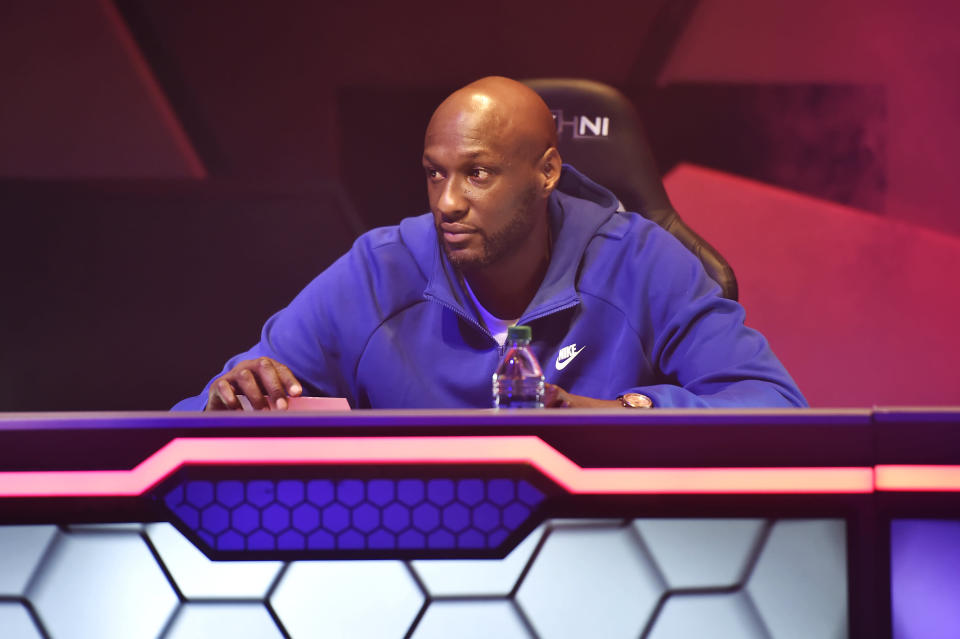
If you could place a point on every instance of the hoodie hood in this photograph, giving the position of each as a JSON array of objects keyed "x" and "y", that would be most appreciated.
[{"x": 575, "y": 184}]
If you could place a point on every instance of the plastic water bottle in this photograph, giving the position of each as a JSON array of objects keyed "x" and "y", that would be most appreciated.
[{"x": 518, "y": 381}]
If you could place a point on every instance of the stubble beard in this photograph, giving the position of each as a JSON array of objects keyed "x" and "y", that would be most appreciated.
[
  {"x": 502, "y": 242},
  {"x": 496, "y": 246}
]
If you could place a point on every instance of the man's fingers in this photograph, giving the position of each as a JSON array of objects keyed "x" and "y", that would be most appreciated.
[
  {"x": 271, "y": 379},
  {"x": 265, "y": 383},
  {"x": 554, "y": 396},
  {"x": 294, "y": 389},
  {"x": 249, "y": 385},
  {"x": 222, "y": 397}
]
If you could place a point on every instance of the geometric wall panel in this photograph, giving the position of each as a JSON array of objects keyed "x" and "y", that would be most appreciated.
[
  {"x": 719, "y": 616},
  {"x": 799, "y": 583},
  {"x": 847, "y": 260},
  {"x": 102, "y": 585},
  {"x": 568, "y": 578},
  {"x": 471, "y": 620},
  {"x": 347, "y": 599},
  {"x": 233, "y": 620},
  {"x": 590, "y": 581},
  {"x": 16, "y": 623},
  {"x": 453, "y": 577},
  {"x": 200, "y": 578},
  {"x": 697, "y": 553},
  {"x": 20, "y": 549}
]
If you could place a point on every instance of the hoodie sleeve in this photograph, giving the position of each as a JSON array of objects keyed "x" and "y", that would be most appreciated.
[
  {"x": 704, "y": 354},
  {"x": 321, "y": 334}
]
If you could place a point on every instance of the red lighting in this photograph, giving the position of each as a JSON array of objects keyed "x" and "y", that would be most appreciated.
[
  {"x": 432, "y": 450},
  {"x": 918, "y": 478}
]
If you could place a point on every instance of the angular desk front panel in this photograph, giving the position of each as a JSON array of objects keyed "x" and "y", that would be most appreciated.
[{"x": 463, "y": 524}]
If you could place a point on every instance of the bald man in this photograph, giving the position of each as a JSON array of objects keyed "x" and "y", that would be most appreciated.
[{"x": 416, "y": 315}]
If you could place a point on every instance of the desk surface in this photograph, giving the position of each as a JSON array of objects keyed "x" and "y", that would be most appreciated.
[{"x": 612, "y": 438}]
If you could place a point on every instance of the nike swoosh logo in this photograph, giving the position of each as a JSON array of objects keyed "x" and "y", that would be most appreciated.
[{"x": 563, "y": 364}]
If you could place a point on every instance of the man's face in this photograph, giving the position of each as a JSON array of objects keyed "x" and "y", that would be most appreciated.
[{"x": 481, "y": 188}]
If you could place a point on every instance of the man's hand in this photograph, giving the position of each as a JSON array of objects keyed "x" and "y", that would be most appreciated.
[
  {"x": 261, "y": 380},
  {"x": 556, "y": 397}
]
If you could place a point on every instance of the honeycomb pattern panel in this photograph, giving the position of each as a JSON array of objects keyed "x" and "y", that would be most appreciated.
[
  {"x": 263, "y": 515},
  {"x": 21, "y": 547},
  {"x": 471, "y": 620},
  {"x": 718, "y": 616},
  {"x": 799, "y": 583},
  {"x": 570, "y": 577},
  {"x": 200, "y": 578},
  {"x": 697, "y": 553},
  {"x": 590, "y": 582},
  {"x": 15, "y": 622},
  {"x": 234, "y": 620},
  {"x": 463, "y": 577},
  {"x": 371, "y": 598},
  {"x": 101, "y": 585}
]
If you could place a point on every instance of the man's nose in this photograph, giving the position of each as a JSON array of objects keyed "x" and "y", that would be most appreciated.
[{"x": 450, "y": 202}]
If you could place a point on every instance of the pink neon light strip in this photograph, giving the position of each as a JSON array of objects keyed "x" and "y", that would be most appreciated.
[
  {"x": 432, "y": 450},
  {"x": 918, "y": 478}
]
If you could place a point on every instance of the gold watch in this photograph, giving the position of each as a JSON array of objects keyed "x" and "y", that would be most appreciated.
[{"x": 635, "y": 400}]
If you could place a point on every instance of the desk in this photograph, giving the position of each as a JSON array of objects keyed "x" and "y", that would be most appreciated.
[{"x": 473, "y": 523}]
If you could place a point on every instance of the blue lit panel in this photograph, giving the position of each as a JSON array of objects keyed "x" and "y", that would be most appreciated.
[
  {"x": 925, "y": 578},
  {"x": 364, "y": 515}
]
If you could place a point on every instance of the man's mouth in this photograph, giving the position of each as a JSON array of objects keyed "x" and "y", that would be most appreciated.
[{"x": 455, "y": 233}]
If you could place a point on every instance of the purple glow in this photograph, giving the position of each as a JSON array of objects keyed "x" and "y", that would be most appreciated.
[
  {"x": 925, "y": 578},
  {"x": 353, "y": 514}
]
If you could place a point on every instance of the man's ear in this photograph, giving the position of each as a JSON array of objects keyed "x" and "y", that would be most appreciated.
[{"x": 550, "y": 166}]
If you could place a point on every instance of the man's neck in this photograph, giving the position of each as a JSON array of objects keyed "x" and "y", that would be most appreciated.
[{"x": 506, "y": 288}]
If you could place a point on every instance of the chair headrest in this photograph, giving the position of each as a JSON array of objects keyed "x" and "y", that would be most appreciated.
[{"x": 600, "y": 133}]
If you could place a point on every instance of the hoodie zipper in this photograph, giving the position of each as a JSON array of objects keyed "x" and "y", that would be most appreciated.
[
  {"x": 483, "y": 329},
  {"x": 501, "y": 348}
]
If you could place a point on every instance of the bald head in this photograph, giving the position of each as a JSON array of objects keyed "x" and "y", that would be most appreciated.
[
  {"x": 505, "y": 112},
  {"x": 491, "y": 164}
]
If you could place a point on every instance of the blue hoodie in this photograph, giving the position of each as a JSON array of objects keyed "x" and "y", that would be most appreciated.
[{"x": 389, "y": 325}]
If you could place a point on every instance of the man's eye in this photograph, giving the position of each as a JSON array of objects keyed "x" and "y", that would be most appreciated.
[
  {"x": 432, "y": 174},
  {"x": 480, "y": 174}
]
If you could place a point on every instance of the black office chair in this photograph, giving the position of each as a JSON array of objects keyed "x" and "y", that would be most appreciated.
[{"x": 601, "y": 134}]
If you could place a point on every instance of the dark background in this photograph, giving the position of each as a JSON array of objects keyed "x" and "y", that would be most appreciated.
[{"x": 173, "y": 172}]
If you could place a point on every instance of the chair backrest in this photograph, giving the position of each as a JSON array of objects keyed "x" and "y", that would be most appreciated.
[{"x": 600, "y": 133}]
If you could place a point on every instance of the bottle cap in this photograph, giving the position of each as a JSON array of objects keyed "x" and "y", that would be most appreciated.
[{"x": 519, "y": 333}]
